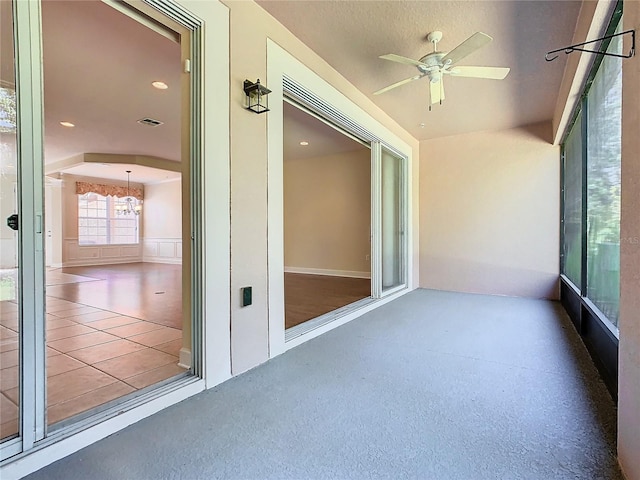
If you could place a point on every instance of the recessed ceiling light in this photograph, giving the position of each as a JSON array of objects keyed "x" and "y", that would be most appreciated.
[
  {"x": 160, "y": 85},
  {"x": 304, "y": 144},
  {"x": 67, "y": 124}
]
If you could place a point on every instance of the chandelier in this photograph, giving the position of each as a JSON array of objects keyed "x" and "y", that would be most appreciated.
[{"x": 131, "y": 205}]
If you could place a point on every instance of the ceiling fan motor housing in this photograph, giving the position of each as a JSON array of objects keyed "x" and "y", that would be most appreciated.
[{"x": 432, "y": 62}]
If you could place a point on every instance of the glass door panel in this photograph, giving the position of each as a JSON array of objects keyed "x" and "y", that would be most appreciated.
[
  {"x": 9, "y": 263},
  {"x": 392, "y": 222},
  {"x": 118, "y": 304}
]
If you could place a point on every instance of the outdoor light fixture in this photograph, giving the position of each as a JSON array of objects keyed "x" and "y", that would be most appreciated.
[
  {"x": 131, "y": 204},
  {"x": 256, "y": 95}
]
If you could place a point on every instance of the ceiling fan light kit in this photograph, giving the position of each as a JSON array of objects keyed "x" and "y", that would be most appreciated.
[{"x": 436, "y": 65}]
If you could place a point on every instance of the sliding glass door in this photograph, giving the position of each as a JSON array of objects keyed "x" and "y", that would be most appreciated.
[
  {"x": 391, "y": 211},
  {"x": 9, "y": 242},
  {"x": 388, "y": 220},
  {"x": 340, "y": 261},
  {"x": 21, "y": 237},
  {"x": 57, "y": 374}
]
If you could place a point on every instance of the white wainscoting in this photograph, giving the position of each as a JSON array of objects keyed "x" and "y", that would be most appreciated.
[
  {"x": 162, "y": 250},
  {"x": 331, "y": 273},
  {"x": 77, "y": 256}
]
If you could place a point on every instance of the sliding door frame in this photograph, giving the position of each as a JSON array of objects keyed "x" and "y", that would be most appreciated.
[
  {"x": 378, "y": 290},
  {"x": 29, "y": 121},
  {"x": 292, "y": 81},
  {"x": 33, "y": 432},
  {"x": 304, "y": 99}
]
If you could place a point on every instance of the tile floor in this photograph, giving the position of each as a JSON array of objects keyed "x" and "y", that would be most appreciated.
[{"x": 93, "y": 356}]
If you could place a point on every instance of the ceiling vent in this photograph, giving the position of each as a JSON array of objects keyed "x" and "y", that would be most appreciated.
[{"x": 150, "y": 122}]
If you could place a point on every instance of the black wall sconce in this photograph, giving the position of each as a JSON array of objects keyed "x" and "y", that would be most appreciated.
[{"x": 257, "y": 100}]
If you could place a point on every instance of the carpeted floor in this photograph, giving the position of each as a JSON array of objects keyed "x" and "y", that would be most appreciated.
[{"x": 433, "y": 386}]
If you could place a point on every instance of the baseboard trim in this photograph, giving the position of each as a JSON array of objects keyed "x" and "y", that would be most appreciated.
[
  {"x": 89, "y": 262},
  {"x": 171, "y": 261},
  {"x": 184, "y": 360},
  {"x": 328, "y": 272}
]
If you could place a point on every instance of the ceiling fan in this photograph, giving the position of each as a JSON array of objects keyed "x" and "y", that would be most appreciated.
[{"x": 436, "y": 65}]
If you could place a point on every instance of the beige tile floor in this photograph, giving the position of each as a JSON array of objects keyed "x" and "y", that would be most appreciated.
[{"x": 93, "y": 356}]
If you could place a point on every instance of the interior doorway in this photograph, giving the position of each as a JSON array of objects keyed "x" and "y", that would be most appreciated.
[{"x": 327, "y": 215}]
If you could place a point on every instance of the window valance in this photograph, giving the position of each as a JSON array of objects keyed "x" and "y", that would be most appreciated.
[{"x": 109, "y": 190}]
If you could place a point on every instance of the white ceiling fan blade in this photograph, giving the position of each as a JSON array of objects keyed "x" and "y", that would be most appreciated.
[
  {"x": 397, "y": 84},
  {"x": 401, "y": 59},
  {"x": 436, "y": 91},
  {"x": 495, "y": 73},
  {"x": 470, "y": 45}
]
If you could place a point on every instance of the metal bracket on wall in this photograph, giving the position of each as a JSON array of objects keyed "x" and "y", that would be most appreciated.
[{"x": 574, "y": 48}]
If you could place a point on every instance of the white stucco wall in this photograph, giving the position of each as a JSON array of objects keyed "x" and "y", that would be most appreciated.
[{"x": 489, "y": 213}]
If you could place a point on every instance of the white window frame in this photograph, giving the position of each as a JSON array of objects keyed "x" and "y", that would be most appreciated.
[{"x": 111, "y": 216}]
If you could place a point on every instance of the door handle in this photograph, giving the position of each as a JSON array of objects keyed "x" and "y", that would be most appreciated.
[{"x": 12, "y": 221}]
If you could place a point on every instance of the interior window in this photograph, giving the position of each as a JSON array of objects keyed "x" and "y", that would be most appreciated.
[{"x": 106, "y": 221}]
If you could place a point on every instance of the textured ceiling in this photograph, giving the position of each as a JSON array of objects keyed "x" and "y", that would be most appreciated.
[
  {"x": 99, "y": 63},
  {"x": 350, "y": 35},
  {"x": 98, "y": 69}
]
